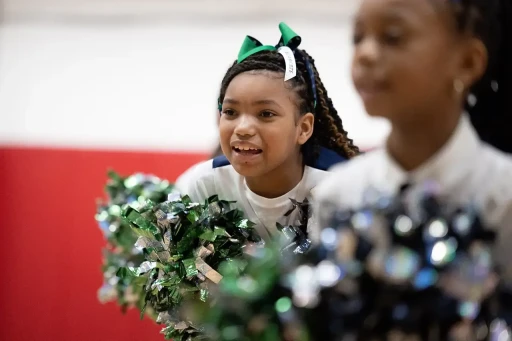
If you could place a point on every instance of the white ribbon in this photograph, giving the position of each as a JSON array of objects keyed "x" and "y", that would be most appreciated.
[{"x": 289, "y": 59}]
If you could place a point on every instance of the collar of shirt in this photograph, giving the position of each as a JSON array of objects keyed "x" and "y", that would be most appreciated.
[{"x": 446, "y": 167}]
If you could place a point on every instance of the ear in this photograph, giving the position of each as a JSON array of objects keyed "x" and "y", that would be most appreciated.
[
  {"x": 473, "y": 62},
  {"x": 305, "y": 127}
]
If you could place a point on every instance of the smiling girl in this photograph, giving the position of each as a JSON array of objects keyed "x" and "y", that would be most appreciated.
[{"x": 278, "y": 135}]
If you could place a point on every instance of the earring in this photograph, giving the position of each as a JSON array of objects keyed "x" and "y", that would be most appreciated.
[
  {"x": 458, "y": 86},
  {"x": 472, "y": 100},
  {"x": 494, "y": 86}
]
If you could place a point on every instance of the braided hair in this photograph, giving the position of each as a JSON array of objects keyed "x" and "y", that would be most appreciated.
[
  {"x": 490, "y": 21},
  {"x": 328, "y": 130}
]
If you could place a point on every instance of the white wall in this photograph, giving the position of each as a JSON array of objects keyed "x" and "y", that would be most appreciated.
[{"x": 146, "y": 85}]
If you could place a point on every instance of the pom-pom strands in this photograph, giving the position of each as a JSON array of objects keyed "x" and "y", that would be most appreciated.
[
  {"x": 254, "y": 305},
  {"x": 120, "y": 250},
  {"x": 406, "y": 267},
  {"x": 184, "y": 243},
  {"x": 401, "y": 268}
]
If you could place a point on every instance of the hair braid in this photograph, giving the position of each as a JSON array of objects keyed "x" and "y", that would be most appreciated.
[
  {"x": 331, "y": 133},
  {"x": 328, "y": 130}
]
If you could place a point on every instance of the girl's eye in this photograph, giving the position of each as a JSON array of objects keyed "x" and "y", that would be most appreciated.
[
  {"x": 357, "y": 37},
  {"x": 392, "y": 36},
  {"x": 267, "y": 114},
  {"x": 228, "y": 112}
]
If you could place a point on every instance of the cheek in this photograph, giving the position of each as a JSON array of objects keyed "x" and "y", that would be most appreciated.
[
  {"x": 422, "y": 67},
  {"x": 225, "y": 132},
  {"x": 355, "y": 63},
  {"x": 280, "y": 140},
  {"x": 419, "y": 79}
]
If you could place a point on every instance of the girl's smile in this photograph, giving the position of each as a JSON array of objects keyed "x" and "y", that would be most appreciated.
[{"x": 245, "y": 152}]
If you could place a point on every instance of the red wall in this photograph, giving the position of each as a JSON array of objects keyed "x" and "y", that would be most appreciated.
[{"x": 51, "y": 246}]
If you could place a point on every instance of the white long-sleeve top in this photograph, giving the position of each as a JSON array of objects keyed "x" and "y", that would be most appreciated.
[{"x": 466, "y": 169}]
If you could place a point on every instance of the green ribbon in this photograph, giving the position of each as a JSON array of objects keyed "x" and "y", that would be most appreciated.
[{"x": 251, "y": 45}]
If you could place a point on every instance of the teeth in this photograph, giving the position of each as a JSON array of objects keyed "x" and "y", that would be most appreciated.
[{"x": 246, "y": 148}]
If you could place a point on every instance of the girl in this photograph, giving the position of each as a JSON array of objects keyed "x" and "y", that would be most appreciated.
[
  {"x": 278, "y": 135},
  {"x": 414, "y": 63}
]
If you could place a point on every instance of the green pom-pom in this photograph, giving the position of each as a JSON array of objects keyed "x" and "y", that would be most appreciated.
[
  {"x": 120, "y": 252},
  {"x": 184, "y": 244}
]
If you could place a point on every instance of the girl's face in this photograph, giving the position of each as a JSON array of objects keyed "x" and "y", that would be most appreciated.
[
  {"x": 260, "y": 128},
  {"x": 406, "y": 59}
]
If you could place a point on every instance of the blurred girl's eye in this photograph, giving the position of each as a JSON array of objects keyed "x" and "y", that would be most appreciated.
[
  {"x": 267, "y": 114},
  {"x": 392, "y": 36},
  {"x": 357, "y": 37}
]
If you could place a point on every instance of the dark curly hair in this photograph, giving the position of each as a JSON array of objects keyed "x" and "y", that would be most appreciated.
[
  {"x": 328, "y": 130},
  {"x": 490, "y": 21}
]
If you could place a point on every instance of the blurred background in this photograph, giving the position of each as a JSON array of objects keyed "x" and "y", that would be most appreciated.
[{"x": 87, "y": 85}]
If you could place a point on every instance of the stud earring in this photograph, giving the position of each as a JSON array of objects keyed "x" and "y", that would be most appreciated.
[
  {"x": 471, "y": 100},
  {"x": 458, "y": 86},
  {"x": 494, "y": 86}
]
